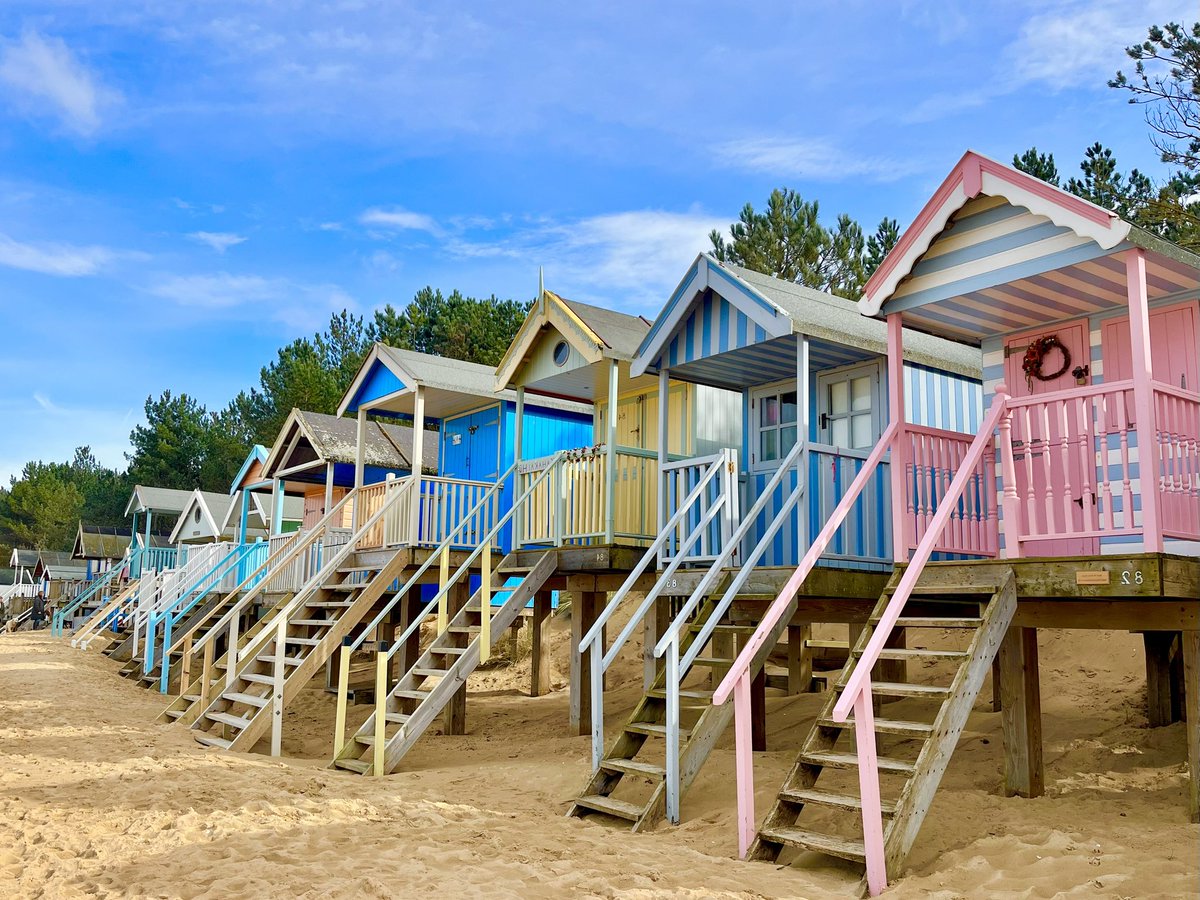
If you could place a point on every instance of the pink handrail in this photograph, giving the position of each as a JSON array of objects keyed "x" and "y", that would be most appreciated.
[{"x": 856, "y": 696}]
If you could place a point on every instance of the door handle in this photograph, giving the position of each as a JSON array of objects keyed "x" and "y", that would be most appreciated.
[{"x": 824, "y": 421}]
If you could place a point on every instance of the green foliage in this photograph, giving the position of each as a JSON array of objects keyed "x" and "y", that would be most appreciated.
[
  {"x": 456, "y": 327},
  {"x": 1039, "y": 165},
  {"x": 788, "y": 241},
  {"x": 169, "y": 450}
]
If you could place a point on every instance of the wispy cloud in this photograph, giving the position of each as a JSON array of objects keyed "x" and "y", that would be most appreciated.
[
  {"x": 294, "y": 304},
  {"x": 815, "y": 159},
  {"x": 219, "y": 241},
  {"x": 64, "y": 260},
  {"x": 398, "y": 219},
  {"x": 42, "y": 74}
]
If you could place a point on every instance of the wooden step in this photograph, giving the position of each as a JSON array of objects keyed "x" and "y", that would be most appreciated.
[
  {"x": 712, "y": 661},
  {"x": 238, "y": 722},
  {"x": 937, "y": 622},
  {"x": 465, "y": 629},
  {"x": 303, "y": 641},
  {"x": 211, "y": 740},
  {"x": 431, "y": 673},
  {"x": 835, "y": 759},
  {"x": 396, "y": 718},
  {"x": 175, "y": 713},
  {"x": 903, "y": 689},
  {"x": 633, "y": 767},
  {"x": 247, "y": 699},
  {"x": 610, "y": 806},
  {"x": 353, "y": 765},
  {"x": 724, "y": 629},
  {"x": 942, "y": 590},
  {"x": 918, "y": 653},
  {"x": 287, "y": 660},
  {"x": 826, "y": 645},
  {"x": 329, "y": 604},
  {"x": 834, "y": 801},
  {"x": 845, "y": 848},
  {"x": 686, "y": 694},
  {"x": 885, "y": 726},
  {"x": 448, "y": 651},
  {"x": 255, "y": 678},
  {"x": 313, "y": 623},
  {"x": 419, "y": 696},
  {"x": 651, "y": 728}
]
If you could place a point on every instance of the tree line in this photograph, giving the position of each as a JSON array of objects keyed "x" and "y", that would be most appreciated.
[{"x": 185, "y": 445}]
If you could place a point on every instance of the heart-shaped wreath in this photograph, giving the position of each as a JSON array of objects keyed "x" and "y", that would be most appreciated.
[{"x": 1035, "y": 356}]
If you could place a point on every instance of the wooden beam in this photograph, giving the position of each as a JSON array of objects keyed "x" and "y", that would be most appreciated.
[
  {"x": 653, "y": 627},
  {"x": 758, "y": 711},
  {"x": 585, "y": 611},
  {"x": 1021, "y": 714},
  {"x": 1191, "y": 677},
  {"x": 455, "y": 716},
  {"x": 799, "y": 677},
  {"x": 1158, "y": 676},
  {"x": 539, "y": 667}
]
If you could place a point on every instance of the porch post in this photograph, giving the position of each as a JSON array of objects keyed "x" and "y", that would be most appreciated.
[
  {"x": 245, "y": 515},
  {"x": 610, "y": 453},
  {"x": 359, "y": 456},
  {"x": 418, "y": 457},
  {"x": 328, "y": 486},
  {"x": 803, "y": 419},
  {"x": 898, "y": 464},
  {"x": 518, "y": 442},
  {"x": 277, "y": 496},
  {"x": 664, "y": 442},
  {"x": 1143, "y": 399}
]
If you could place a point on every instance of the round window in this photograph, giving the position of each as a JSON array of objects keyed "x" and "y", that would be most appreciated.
[
  {"x": 561, "y": 352},
  {"x": 197, "y": 514}
]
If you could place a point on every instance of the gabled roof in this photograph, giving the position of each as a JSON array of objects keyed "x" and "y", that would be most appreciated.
[
  {"x": 213, "y": 509},
  {"x": 595, "y": 332},
  {"x": 23, "y": 558},
  {"x": 258, "y": 454},
  {"x": 100, "y": 542},
  {"x": 780, "y": 308},
  {"x": 334, "y": 439},
  {"x": 156, "y": 500},
  {"x": 259, "y": 516},
  {"x": 59, "y": 566}
]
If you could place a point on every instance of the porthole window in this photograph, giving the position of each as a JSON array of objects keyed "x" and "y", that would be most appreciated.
[
  {"x": 561, "y": 353},
  {"x": 197, "y": 514}
]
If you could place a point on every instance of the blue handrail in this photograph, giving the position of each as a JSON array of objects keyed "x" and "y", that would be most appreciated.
[
  {"x": 97, "y": 586},
  {"x": 197, "y": 584},
  {"x": 235, "y": 559}
]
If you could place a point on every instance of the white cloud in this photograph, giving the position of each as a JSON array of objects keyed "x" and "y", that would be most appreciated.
[
  {"x": 398, "y": 219},
  {"x": 220, "y": 241},
  {"x": 295, "y": 304},
  {"x": 41, "y": 72},
  {"x": 64, "y": 260},
  {"x": 812, "y": 158},
  {"x": 331, "y": 226}
]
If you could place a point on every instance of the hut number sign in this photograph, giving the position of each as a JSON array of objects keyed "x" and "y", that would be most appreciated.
[{"x": 1128, "y": 577}]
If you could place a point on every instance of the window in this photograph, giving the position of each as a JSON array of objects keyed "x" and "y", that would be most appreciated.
[
  {"x": 774, "y": 418},
  {"x": 848, "y": 404},
  {"x": 562, "y": 352}
]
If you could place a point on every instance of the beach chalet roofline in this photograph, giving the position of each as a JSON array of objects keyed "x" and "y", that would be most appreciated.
[
  {"x": 100, "y": 542},
  {"x": 768, "y": 308},
  {"x": 203, "y": 517},
  {"x": 309, "y": 442}
]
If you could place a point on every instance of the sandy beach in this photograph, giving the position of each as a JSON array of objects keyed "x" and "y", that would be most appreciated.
[{"x": 98, "y": 800}]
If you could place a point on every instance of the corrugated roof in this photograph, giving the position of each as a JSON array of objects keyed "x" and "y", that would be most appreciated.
[
  {"x": 833, "y": 318},
  {"x": 446, "y": 374},
  {"x": 156, "y": 499},
  {"x": 388, "y": 446},
  {"x": 101, "y": 542},
  {"x": 621, "y": 333},
  {"x": 23, "y": 558}
]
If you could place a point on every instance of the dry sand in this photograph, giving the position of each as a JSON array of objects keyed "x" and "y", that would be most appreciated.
[{"x": 97, "y": 800}]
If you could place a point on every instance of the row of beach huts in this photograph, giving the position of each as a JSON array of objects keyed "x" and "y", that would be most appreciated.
[{"x": 1001, "y": 435}]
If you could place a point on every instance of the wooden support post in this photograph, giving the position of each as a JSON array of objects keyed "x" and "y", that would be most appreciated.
[
  {"x": 455, "y": 717},
  {"x": 410, "y": 607},
  {"x": 1178, "y": 693},
  {"x": 387, "y": 635},
  {"x": 997, "y": 702},
  {"x": 610, "y": 454},
  {"x": 359, "y": 450},
  {"x": 343, "y": 688},
  {"x": 539, "y": 664},
  {"x": 900, "y": 488},
  {"x": 894, "y": 670},
  {"x": 653, "y": 627},
  {"x": 1158, "y": 676},
  {"x": 585, "y": 610},
  {"x": 758, "y": 711},
  {"x": 1143, "y": 399},
  {"x": 379, "y": 745},
  {"x": 1021, "y": 714},
  {"x": 418, "y": 451},
  {"x": 799, "y": 677},
  {"x": 1191, "y": 678}
]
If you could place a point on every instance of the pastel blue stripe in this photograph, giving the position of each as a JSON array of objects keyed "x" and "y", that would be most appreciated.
[{"x": 990, "y": 247}]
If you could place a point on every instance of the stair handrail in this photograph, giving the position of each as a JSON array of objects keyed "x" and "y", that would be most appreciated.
[
  {"x": 669, "y": 644},
  {"x": 736, "y": 682},
  {"x": 238, "y": 655},
  {"x": 179, "y": 603},
  {"x": 228, "y": 564},
  {"x": 82, "y": 637},
  {"x": 856, "y": 695},
  {"x": 446, "y": 543},
  {"x": 296, "y": 543},
  {"x": 100, "y": 583},
  {"x": 413, "y": 627}
]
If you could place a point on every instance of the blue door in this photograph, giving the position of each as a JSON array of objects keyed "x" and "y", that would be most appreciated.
[{"x": 471, "y": 446}]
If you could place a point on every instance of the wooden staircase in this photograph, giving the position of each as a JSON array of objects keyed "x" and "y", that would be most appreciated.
[
  {"x": 266, "y": 682},
  {"x": 819, "y": 810},
  {"x": 630, "y": 783},
  {"x": 135, "y": 666},
  {"x": 442, "y": 670}
]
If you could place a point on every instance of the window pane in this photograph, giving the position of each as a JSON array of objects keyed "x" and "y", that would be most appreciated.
[
  {"x": 839, "y": 397},
  {"x": 787, "y": 439},
  {"x": 768, "y": 445},
  {"x": 861, "y": 428},
  {"x": 770, "y": 411},
  {"x": 839, "y": 432},
  {"x": 860, "y": 390},
  {"x": 789, "y": 406}
]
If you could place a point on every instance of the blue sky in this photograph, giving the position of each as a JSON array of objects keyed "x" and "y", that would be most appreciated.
[{"x": 184, "y": 187}]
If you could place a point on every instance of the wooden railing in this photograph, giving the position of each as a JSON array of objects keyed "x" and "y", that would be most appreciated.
[
  {"x": 866, "y": 534},
  {"x": 679, "y": 480},
  {"x": 1177, "y": 422},
  {"x": 571, "y": 505},
  {"x": 932, "y": 457},
  {"x": 443, "y": 505},
  {"x": 1074, "y": 474}
]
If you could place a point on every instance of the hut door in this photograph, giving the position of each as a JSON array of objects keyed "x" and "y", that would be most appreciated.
[
  {"x": 1050, "y": 479},
  {"x": 471, "y": 446}
]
